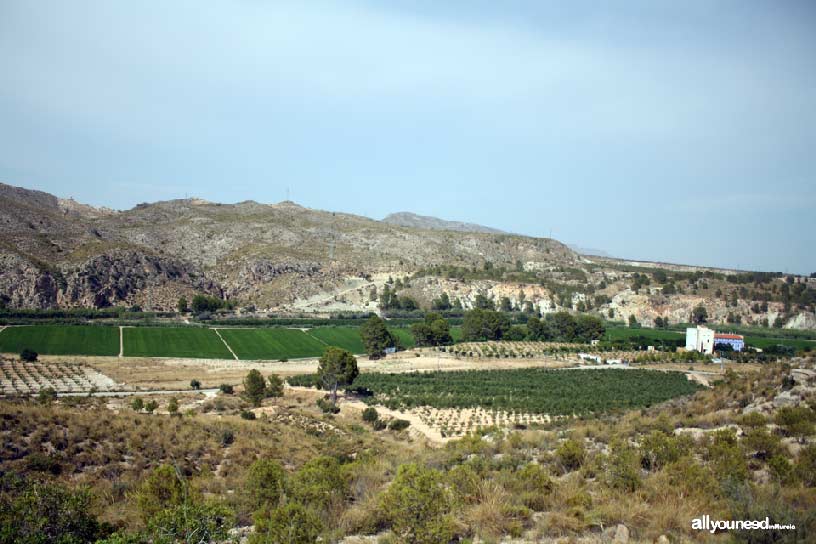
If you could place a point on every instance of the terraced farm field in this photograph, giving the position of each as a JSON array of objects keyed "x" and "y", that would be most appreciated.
[
  {"x": 174, "y": 342},
  {"x": 527, "y": 391},
  {"x": 272, "y": 343},
  {"x": 61, "y": 340}
]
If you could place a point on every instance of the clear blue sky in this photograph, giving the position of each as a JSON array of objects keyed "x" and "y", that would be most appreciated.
[{"x": 676, "y": 131}]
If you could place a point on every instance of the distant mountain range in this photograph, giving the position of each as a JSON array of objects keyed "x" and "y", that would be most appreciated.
[
  {"x": 589, "y": 251},
  {"x": 412, "y": 220}
]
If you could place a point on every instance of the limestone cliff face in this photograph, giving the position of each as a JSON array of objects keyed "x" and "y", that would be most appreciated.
[{"x": 117, "y": 277}]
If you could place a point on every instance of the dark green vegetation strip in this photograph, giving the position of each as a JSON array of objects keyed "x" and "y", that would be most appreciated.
[
  {"x": 272, "y": 343},
  {"x": 764, "y": 341},
  {"x": 342, "y": 337},
  {"x": 61, "y": 340},
  {"x": 168, "y": 342},
  {"x": 555, "y": 392},
  {"x": 623, "y": 333}
]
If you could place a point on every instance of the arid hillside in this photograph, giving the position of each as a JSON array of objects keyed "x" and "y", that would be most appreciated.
[{"x": 287, "y": 258}]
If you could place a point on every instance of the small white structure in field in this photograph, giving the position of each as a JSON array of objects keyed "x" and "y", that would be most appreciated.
[
  {"x": 589, "y": 357},
  {"x": 700, "y": 339}
]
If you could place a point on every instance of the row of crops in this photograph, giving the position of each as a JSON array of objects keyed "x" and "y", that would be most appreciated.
[{"x": 532, "y": 391}]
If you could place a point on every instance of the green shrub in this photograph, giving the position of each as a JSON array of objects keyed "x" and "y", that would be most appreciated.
[
  {"x": 40, "y": 513},
  {"x": 806, "y": 466},
  {"x": 726, "y": 456},
  {"x": 265, "y": 482},
  {"x": 688, "y": 476},
  {"x": 658, "y": 449},
  {"x": 150, "y": 406},
  {"x": 40, "y": 462},
  {"x": 764, "y": 444},
  {"x": 227, "y": 437},
  {"x": 164, "y": 488},
  {"x": 465, "y": 483},
  {"x": 398, "y": 424},
  {"x": 29, "y": 355},
  {"x": 46, "y": 395},
  {"x": 319, "y": 482},
  {"x": 379, "y": 425},
  {"x": 753, "y": 419},
  {"x": 532, "y": 485},
  {"x": 191, "y": 522},
  {"x": 418, "y": 504},
  {"x": 195, "y": 384},
  {"x": 781, "y": 469},
  {"x": 275, "y": 386},
  {"x": 137, "y": 404},
  {"x": 246, "y": 414},
  {"x": 370, "y": 414},
  {"x": 795, "y": 421},
  {"x": 623, "y": 467},
  {"x": 226, "y": 388},
  {"x": 291, "y": 524},
  {"x": 570, "y": 455},
  {"x": 327, "y": 406}
]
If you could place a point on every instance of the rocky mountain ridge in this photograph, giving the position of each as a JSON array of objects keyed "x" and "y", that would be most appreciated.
[
  {"x": 287, "y": 258},
  {"x": 409, "y": 219}
]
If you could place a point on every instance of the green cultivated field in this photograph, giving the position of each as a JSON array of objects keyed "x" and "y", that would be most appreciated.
[
  {"x": 623, "y": 333},
  {"x": 761, "y": 342},
  {"x": 526, "y": 390},
  {"x": 764, "y": 343},
  {"x": 61, "y": 340},
  {"x": 342, "y": 337},
  {"x": 272, "y": 343},
  {"x": 174, "y": 342}
]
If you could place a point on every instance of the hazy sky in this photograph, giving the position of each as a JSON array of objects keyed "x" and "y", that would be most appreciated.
[{"x": 676, "y": 131}]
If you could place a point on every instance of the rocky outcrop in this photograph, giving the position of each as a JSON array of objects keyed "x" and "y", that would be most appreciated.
[
  {"x": 24, "y": 284},
  {"x": 104, "y": 280}
]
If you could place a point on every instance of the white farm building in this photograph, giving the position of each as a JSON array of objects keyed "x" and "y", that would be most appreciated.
[{"x": 700, "y": 339}]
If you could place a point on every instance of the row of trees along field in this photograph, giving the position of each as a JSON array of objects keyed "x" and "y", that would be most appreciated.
[{"x": 482, "y": 325}]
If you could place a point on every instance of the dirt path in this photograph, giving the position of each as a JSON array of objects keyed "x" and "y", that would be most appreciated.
[
  {"x": 121, "y": 341},
  {"x": 225, "y": 343},
  {"x": 205, "y": 392}
]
